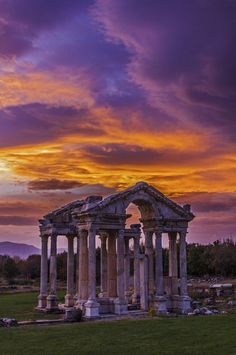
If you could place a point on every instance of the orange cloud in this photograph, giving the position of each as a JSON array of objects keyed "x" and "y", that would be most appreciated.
[{"x": 59, "y": 88}]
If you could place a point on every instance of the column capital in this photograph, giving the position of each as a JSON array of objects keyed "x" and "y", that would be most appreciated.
[
  {"x": 183, "y": 234},
  {"x": 103, "y": 233},
  {"x": 121, "y": 233},
  {"x": 70, "y": 236},
  {"x": 82, "y": 233},
  {"x": 103, "y": 238},
  {"x": 158, "y": 233},
  {"x": 147, "y": 231},
  {"x": 44, "y": 236}
]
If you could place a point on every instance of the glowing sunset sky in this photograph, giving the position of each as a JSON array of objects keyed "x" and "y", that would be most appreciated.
[{"x": 97, "y": 95}]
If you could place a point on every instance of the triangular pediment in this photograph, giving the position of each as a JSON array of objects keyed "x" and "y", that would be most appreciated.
[{"x": 140, "y": 194}]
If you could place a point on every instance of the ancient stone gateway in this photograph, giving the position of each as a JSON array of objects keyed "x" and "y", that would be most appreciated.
[{"x": 94, "y": 218}]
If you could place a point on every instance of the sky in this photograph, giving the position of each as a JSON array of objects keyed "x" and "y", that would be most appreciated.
[{"x": 96, "y": 95}]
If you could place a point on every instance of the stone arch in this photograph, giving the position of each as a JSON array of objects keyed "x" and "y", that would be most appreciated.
[
  {"x": 95, "y": 215},
  {"x": 146, "y": 204}
]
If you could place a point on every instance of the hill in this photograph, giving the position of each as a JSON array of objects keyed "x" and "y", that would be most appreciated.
[{"x": 17, "y": 249}]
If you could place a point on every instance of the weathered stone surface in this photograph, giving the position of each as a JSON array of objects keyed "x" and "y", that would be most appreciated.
[
  {"x": 73, "y": 315},
  {"x": 86, "y": 220},
  {"x": 8, "y": 322}
]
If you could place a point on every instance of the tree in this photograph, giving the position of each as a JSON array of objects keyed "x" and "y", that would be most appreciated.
[{"x": 10, "y": 268}]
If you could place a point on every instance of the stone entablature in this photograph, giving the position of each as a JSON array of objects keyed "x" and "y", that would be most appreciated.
[{"x": 95, "y": 217}]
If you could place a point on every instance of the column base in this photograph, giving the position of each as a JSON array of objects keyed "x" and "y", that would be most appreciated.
[
  {"x": 121, "y": 306},
  {"x": 91, "y": 309},
  {"x": 42, "y": 301},
  {"x": 69, "y": 300},
  {"x": 174, "y": 303},
  {"x": 160, "y": 304},
  {"x": 80, "y": 304},
  {"x": 52, "y": 303},
  {"x": 185, "y": 304}
]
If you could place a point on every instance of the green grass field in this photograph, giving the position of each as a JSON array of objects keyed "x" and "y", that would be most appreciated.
[
  {"x": 22, "y": 306},
  {"x": 196, "y": 335}
]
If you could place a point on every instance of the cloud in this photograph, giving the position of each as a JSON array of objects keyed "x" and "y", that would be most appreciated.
[
  {"x": 53, "y": 184},
  {"x": 208, "y": 202},
  {"x": 41, "y": 123},
  {"x": 49, "y": 88},
  {"x": 17, "y": 221},
  {"x": 135, "y": 155},
  {"x": 181, "y": 54},
  {"x": 22, "y": 22},
  {"x": 21, "y": 207}
]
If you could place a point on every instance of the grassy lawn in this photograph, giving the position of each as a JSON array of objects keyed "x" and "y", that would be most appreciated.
[
  {"x": 21, "y": 306},
  {"x": 198, "y": 335}
]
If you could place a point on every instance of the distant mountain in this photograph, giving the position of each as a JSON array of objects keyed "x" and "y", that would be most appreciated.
[{"x": 17, "y": 249}]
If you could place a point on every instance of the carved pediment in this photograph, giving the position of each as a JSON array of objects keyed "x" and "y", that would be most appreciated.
[{"x": 151, "y": 202}]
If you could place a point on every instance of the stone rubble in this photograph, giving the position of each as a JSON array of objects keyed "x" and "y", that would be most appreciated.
[{"x": 8, "y": 322}]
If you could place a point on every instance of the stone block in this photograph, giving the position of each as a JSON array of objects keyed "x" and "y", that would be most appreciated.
[{"x": 91, "y": 309}]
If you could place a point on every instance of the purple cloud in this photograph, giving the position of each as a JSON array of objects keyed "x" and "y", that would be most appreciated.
[
  {"x": 53, "y": 184},
  {"x": 182, "y": 54},
  {"x": 22, "y": 21},
  {"x": 17, "y": 221},
  {"x": 37, "y": 123}
]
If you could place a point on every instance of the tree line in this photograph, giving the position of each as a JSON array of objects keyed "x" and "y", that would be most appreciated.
[{"x": 218, "y": 258}]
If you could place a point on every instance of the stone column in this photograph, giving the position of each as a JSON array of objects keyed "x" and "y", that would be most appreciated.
[
  {"x": 144, "y": 282},
  {"x": 183, "y": 264},
  {"x": 185, "y": 305},
  {"x": 83, "y": 268},
  {"x": 173, "y": 263},
  {"x": 91, "y": 306},
  {"x": 111, "y": 268},
  {"x": 42, "y": 298},
  {"x": 149, "y": 253},
  {"x": 136, "y": 294},
  {"x": 127, "y": 265},
  {"x": 120, "y": 302},
  {"x": 69, "y": 300},
  {"x": 103, "y": 266},
  {"x": 160, "y": 300},
  {"x": 77, "y": 270},
  {"x": 52, "y": 301}
]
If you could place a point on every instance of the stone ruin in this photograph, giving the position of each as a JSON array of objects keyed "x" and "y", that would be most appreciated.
[{"x": 95, "y": 217}]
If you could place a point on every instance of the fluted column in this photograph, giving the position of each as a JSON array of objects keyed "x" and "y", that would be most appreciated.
[
  {"x": 160, "y": 298},
  {"x": 42, "y": 299},
  {"x": 77, "y": 269},
  {"x": 136, "y": 295},
  {"x": 159, "y": 264},
  {"x": 185, "y": 303},
  {"x": 52, "y": 297},
  {"x": 103, "y": 265},
  {"x": 127, "y": 264},
  {"x": 83, "y": 266},
  {"x": 173, "y": 264},
  {"x": 111, "y": 269},
  {"x": 69, "y": 301},
  {"x": 149, "y": 253},
  {"x": 91, "y": 264},
  {"x": 91, "y": 306},
  {"x": 183, "y": 264},
  {"x": 120, "y": 302}
]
